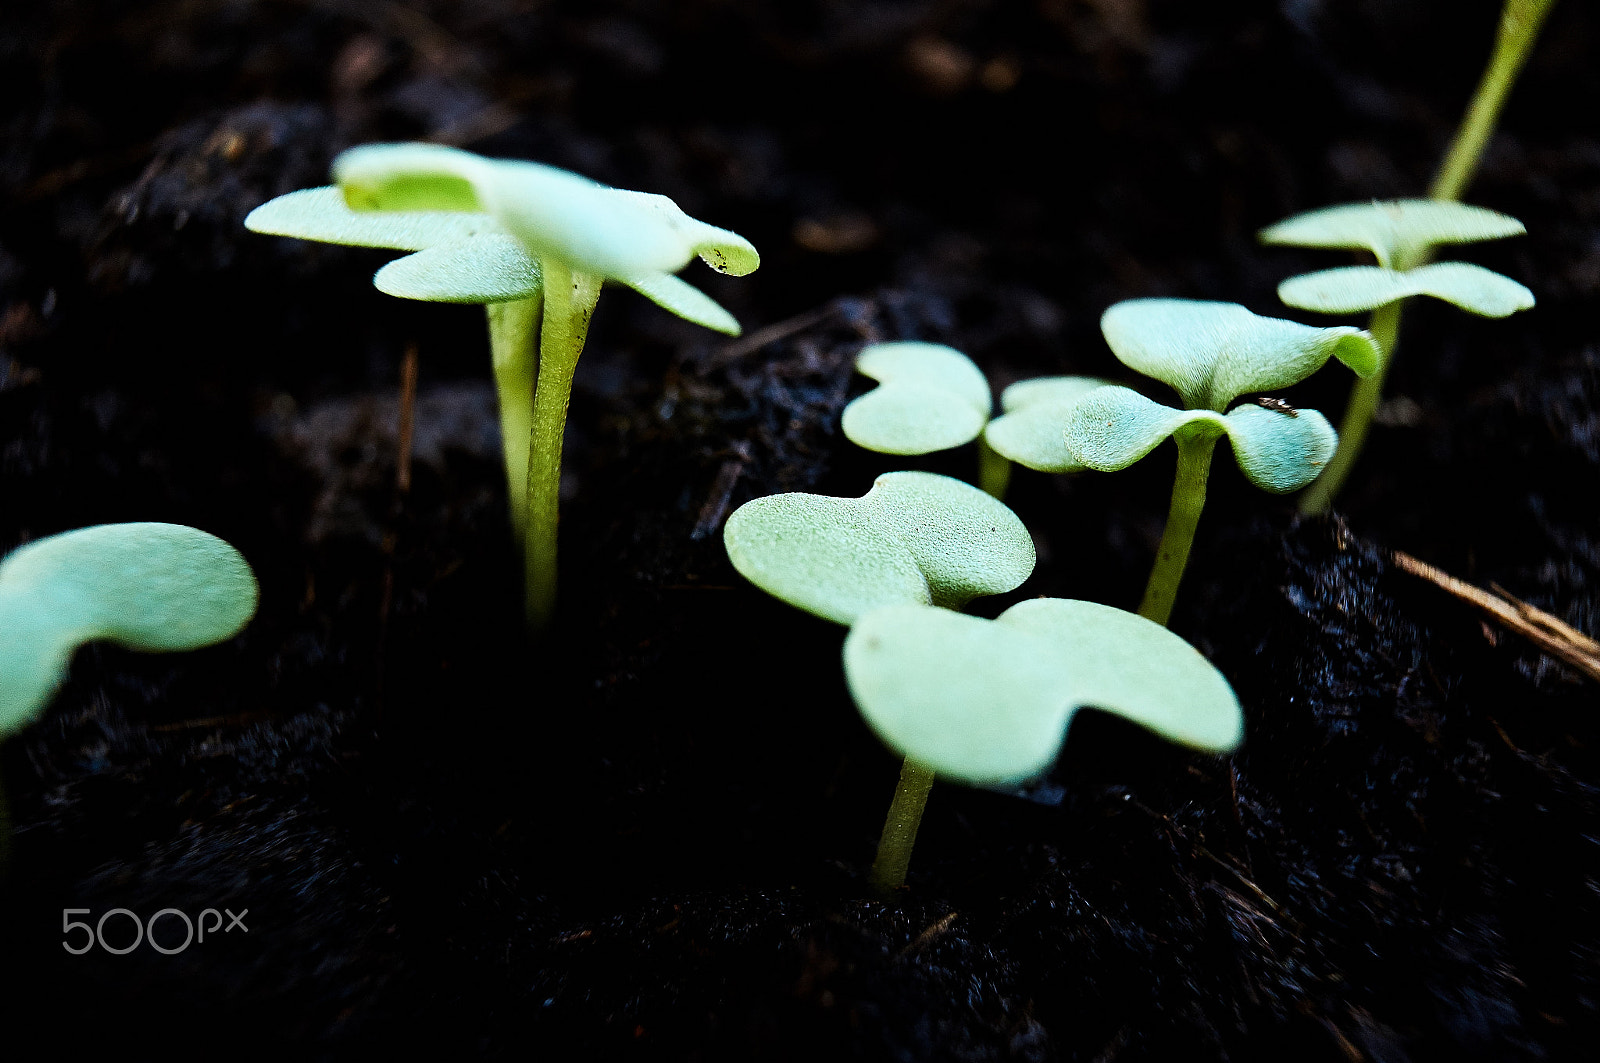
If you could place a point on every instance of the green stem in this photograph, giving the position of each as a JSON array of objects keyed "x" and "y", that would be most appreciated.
[
  {"x": 569, "y": 299},
  {"x": 1188, "y": 499},
  {"x": 994, "y": 472},
  {"x": 513, "y": 331},
  {"x": 1519, "y": 28},
  {"x": 900, "y": 828},
  {"x": 1358, "y": 413}
]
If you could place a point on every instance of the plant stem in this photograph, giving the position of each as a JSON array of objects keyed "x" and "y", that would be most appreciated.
[
  {"x": 1364, "y": 399},
  {"x": 994, "y": 472},
  {"x": 513, "y": 332},
  {"x": 900, "y": 828},
  {"x": 569, "y": 299},
  {"x": 1519, "y": 28},
  {"x": 1188, "y": 499}
]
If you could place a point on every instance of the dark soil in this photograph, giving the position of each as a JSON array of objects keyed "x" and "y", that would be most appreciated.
[{"x": 649, "y": 839}]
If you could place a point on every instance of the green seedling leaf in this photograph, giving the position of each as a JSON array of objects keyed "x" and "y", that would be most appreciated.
[
  {"x": 1354, "y": 288},
  {"x": 1030, "y": 431},
  {"x": 988, "y": 702},
  {"x": 151, "y": 587},
  {"x": 914, "y": 538},
  {"x": 1277, "y": 450},
  {"x": 461, "y": 258},
  {"x": 634, "y": 238},
  {"x": 1398, "y": 232},
  {"x": 489, "y": 267},
  {"x": 931, "y": 398},
  {"x": 1212, "y": 353}
]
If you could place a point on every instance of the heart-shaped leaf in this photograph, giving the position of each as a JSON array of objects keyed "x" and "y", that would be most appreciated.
[
  {"x": 1278, "y": 451},
  {"x": 988, "y": 702},
  {"x": 1211, "y": 353},
  {"x": 1030, "y": 432},
  {"x": 152, "y": 587},
  {"x": 1399, "y": 231},
  {"x": 914, "y": 538},
  {"x": 930, "y": 397},
  {"x": 1354, "y": 288}
]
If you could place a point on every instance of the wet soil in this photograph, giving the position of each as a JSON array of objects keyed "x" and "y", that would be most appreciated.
[{"x": 648, "y": 839}]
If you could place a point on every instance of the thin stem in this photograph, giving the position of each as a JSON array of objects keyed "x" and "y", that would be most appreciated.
[
  {"x": 569, "y": 299},
  {"x": 900, "y": 828},
  {"x": 994, "y": 471},
  {"x": 1519, "y": 28},
  {"x": 1188, "y": 499},
  {"x": 1358, "y": 414},
  {"x": 513, "y": 332}
]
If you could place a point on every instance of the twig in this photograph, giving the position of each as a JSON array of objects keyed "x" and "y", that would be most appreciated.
[{"x": 1549, "y": 634}]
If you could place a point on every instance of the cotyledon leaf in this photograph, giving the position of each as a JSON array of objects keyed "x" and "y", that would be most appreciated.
[
  {"x": 1211, "y": 353},
  {"x": 1278, "y": 451},
  {"x": 930, "y": 397},
  {"x": 1031, "y": 430},
  {"x": 321, "y": 214},
  {"x": 1397, "y": 231},
  {"x": 1356, "y": 288},
  {"x": 914, "y": 538},
  {"x": 988, "y": 702},
  {"x": 147, "y": 586},
  {"x": 488, "y": 267}
]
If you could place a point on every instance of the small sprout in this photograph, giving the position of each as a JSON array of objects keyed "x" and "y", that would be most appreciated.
[
  {"x": 459, "y": 258},
  {"x": 1211, "y": 353},
  {"x": 932, "y": 398},
  {"x": 915, "y": 538},
  {"x": 580, "y": 234},
  {"x": 1029, "y": 432},
  {"x": 988, "y": 702},
  {"x": 151, "y": 587},
  {"x": 1402, "y": 236}
]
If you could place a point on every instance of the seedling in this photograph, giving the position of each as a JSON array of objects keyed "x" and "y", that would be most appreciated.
[
  {"x": 930, "y": 397},
  {"x": 1211, "y": 353},
  {"x": 460, "y": 258},
  {"x": 1029, "y": 432},
  {"x": 988, "y": 702},
  {"x": 915, "y": 539},
  {"x": 151, "y": 587},
  {"x": 1402, "y": 236},
  {"x": 581, "y": 234}
]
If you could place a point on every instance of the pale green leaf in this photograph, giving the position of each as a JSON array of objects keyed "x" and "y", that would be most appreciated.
[
  {"x": 724, "y": 251},
  {"x": 1032, "y": 430},
  {"x": 321, "y": 214},
  {"x": 685, "y": 300},
  {"x": 485, "y": 268},
  {"x": 930, "y": 397},
  {"x": 1280, "y": 451},
  {"x": 1355, "y": 288},
  {"x": 914, "y": 538},
  {"x": 988, "y": 702},
  {"x": 1211, "y": 353},
  {"x": 1112, "y": 427},
  {"x": 152, "y": 587},
  {"x": 1399, "y": 232}
]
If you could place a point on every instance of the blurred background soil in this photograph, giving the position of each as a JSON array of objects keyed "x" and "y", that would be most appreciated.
[{"x": 649, "y": 839}]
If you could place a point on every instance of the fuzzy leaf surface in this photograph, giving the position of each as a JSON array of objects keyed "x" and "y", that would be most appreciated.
[
  {"x": 1211, "y": 353},
  {"x": 915, "y": 538},
  {"x": 1354, "y": 288},
  {"x": 1031, "y": 432},
  {"x": 930, "y": 397},
  {"x": 1397, "y": 231},
  {"x": 988, "y": 702}
]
